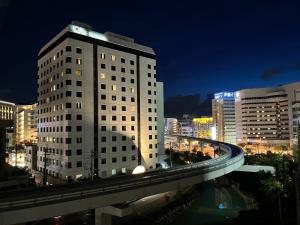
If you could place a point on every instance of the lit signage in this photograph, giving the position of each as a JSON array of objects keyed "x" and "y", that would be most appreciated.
[
  {"x": 79, "y": 30},
  {"x": 224, "y": 95},
  {"x": 97, "y": 35},
  {"x": 89, "y": 33}
]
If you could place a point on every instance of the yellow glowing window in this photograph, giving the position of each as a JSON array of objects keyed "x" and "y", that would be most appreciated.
[
  {"x": 62, "y": 73},
  {"x": 102, "y": 56},
  {"x": 78, "y": 72},
  {"x": 102, "y": 75},
  {"x": 78, "y": 61},
  {"x": 114, "y": 87},
  {"x": 113, "y": 58},
  {"x": 54, "y": 57},
  {"x": 132, "y": 90}
]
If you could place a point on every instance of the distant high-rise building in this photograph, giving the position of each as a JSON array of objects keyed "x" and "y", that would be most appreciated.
[
  {"x": 7, "y": 113},
  {"x": 26, "y": 124},
  {"x": 7, "y": 117},
  {"x": 97, "y": 104},
  {"x": 223, "y": 112},
  {"x": 267, "y": 117}
]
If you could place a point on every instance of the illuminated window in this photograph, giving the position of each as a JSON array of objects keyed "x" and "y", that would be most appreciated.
[
  {"x": 102, "y": 56},
  {"x": 78, "y": 72},
  {"x": 102, "y": 75},
  {"x": 54, "y": 57},
  {"x": 114, "y": 87},
  {"x": 78, "y": 105},
  {"x": 78, "y": 61},
  {"x": 132, "y": 90},
  {"x": 113, "y": 58}
]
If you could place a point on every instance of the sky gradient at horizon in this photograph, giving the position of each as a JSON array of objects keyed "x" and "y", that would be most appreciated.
[{"x": 201, "y": 47}]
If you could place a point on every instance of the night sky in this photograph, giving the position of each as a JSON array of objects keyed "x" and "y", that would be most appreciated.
[{"x": 201, "y": 46}]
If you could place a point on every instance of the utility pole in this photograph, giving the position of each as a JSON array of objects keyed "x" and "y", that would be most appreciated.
[
  {"x": 171, "y": 164},
  {"x": 45, "y": 166},
  {"x": 16, "y": 155},
  {"x": 92, "y": 165}
]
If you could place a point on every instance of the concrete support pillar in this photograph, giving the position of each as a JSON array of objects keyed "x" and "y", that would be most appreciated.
[
  {"x": 201, "y": 146},
  {"x": 101, "y": 218},
  {"x": 103, "y": 215},
  {"x": 190, "y": 145}
]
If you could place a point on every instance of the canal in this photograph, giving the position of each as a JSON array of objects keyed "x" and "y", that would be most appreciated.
[{"x": 213, "y": 203}]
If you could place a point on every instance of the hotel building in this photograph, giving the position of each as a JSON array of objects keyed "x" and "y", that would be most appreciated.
[
  {"x": 266, "y": 117},
  {"x": 97, "y": 104}
]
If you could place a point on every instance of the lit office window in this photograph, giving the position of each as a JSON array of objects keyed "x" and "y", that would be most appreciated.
[
  {"x": 78, "y": 72},
  {"x": 78, "y": 61},
  {"x": 114, "y": 87},
  {"x": 102, "y": 75},
  {"x": 102, "y": 56},
  {"x": 113, "y": 58}
]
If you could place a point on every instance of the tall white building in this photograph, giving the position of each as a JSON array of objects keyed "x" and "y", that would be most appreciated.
[
  {"x": 265, "y": 116},
  {"x": 97, "y": 104},
  {"x": 223, "y": 112}
]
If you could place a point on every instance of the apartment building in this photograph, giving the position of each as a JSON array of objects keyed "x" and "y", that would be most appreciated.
[{"x": 26, "y": 124}]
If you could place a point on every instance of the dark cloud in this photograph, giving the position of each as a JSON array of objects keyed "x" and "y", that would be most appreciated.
[
  {"x": 189, "y": 104},
  {"x": 269, "y": 74}
]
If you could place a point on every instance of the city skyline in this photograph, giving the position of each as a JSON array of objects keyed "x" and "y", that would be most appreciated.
[{"x": 254, "y": 41}]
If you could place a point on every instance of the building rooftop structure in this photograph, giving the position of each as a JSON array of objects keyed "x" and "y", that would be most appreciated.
[{"x": 82, "y": 29}]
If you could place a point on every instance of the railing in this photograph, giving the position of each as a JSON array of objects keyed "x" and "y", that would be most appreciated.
[{"x": 129, "y": 184}]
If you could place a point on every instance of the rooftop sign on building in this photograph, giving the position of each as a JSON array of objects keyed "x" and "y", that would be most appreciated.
[{"x": 224, "y": 95}]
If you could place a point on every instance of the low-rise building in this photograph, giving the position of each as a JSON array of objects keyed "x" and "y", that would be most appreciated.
[
  {"x": 26, "y": 124},
  {"x": 171, "y": 126},
  {"x": 203, "y": 126}
]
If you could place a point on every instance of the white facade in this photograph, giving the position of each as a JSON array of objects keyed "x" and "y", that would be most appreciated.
[
  {"x": 160, "y": 118},
  {"x": 265, "y": 115},
  {"x": 26, "y": 124},
  {"x": 171, "y": 126},
  {"x": 7, "y": 110},
  {"x": 97, "y": 104},
  {"x": 223, "y": 112}
]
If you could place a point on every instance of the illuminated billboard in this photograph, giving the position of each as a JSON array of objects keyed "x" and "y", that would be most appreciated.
[{"x": 224, "y": 95}]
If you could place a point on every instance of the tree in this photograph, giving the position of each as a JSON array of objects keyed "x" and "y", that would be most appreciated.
[{"x": 273, "y": 186}]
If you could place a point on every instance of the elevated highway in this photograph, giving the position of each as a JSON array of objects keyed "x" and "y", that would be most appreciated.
[{"x": 40, "y": 203}]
